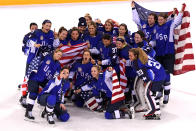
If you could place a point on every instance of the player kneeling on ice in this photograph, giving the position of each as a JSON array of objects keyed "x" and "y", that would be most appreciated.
[
  {"x": 39, "y": 73},
  {"x": 52, "y": 97},
  {"x": 108, "y": 83},
  {"x": 153, "y": 75}
]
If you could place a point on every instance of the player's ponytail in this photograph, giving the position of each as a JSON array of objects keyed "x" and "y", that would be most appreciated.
[
  {"x": 140, "y": 54},
  {"x": 143, "y": 57}
]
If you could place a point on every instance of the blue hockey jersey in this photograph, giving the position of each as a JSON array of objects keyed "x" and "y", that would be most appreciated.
[
  {"x": 56, "y": 87},
  {"x": 124, "y": 54},
  {"x": 75, "y": 42},
  {"x": 108, "y": 54},
  {"x": 113, "y": 32},
  {"x": 165, "y": 36},
  {"x": 83, "y": 72},
  {"x": 144, "y": 26},
  {"x": 57, "y": 42},
  {"x": 26, "y": 38},
  {"x": 151, "y": 71},
  {"x": 94, "y": 41},
  {"x": 46, "y": 69},
  {"x": 103, "y": 84},
  {"x": 39, "y": 37}
]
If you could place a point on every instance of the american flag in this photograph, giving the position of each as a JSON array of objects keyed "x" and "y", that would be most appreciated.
[
  {"x": 72, "y": 53},
  {"x": 123, "y": 78},
  {"x": 184, "y": 56},
  {"x": 117, "y": 91}
]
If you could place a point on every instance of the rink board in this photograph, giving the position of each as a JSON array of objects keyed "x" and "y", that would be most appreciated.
[{"x": 32, "y": 2}]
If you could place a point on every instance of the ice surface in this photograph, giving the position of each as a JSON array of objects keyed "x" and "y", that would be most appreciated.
[{"x": 179, "y": 114}]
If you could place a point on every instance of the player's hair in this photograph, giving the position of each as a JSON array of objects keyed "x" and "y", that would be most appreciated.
[
  {"x": 64, "y": 67},
  {"x": 93, "y": 24},
  {"x": 61, "y": 29},
  {"x": 75, "y": 29},
  {"x": 140, "y": 54},
  {"x": 107, "y": 37},
  {"x": 121, "y": 39},
  {"x": 86, "y": 51},
  {"x": 46, "y": 21},
  {"x": 155, "y": 16},
  {"x": 58, "y": 50},
  {"x": 164, "y": 15},
  {"x": 33, "y": 23},
  {"x": 109, "y": 21},
  {"x": 88, "y": 15},
  {"x": 125, "y": 26},
  {"x": 142, "y": 35},
  {"x": 98, "y": 67}
]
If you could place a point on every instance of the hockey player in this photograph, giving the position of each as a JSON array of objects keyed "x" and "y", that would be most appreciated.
[
  {"x": 75, "y": 37},
  {"x": 123, "y": 32},
  {"x": 33, "y": 27},
  {"x": 141, "y": 42},
  {"x": 123, "y": 54},
  {"x": 82, "y": 27},
  {"x": 82, "y": 71},
  {"x": 60, "y": 37},
  {"x": 108, "y": 53},
  {"x": 25, "y": 49},
  {"x": 165, "y": 51},
  {"x": 88, "y": 19},
  {"x": 40, "y": 77},
  {"x": 151, "y": 72},
  {"x": 103, "y": 83},
  {"x": 52, "y": 97},
  {"x": 110, "y": 27},
  {"x": 40, "y": 44},
  {"x": 146, "y": 26},
  {"x": 93, "y": 37}
]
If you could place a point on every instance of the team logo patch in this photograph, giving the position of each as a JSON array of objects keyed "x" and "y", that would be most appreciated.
[
  {"x": 154, "y": 31},
  {"x": 144, "y": 26},
  {"x": 41, "y": 37},
  {"x": 79, "y": 69},
  {"x": 48, "y": 62}
]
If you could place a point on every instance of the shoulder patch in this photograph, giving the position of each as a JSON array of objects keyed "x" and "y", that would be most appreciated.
[
  {"x": 79, "y": 69},
  {"x": 154, "y": 31},
  {"x": 48, "y": 62},
  {"x": 144, "y": 26},
  {"x": 41, "y": 37}
]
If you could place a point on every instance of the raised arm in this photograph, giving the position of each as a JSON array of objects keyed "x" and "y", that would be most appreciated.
[{"x": 135, "y": 15}]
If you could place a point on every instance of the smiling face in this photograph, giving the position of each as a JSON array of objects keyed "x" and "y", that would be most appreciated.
[
  {"x": 63, "y": 35},
  {"x": 57, "y": 55},
  {"x": 151, "y": 20},
  {"x": 122, "y": 30},
  {"x": 82, "y": 29},
  {"x": 161, "y": 20},
  {"x": 137, "y": 38},
  {"x": 131, "y": 56},
  {"x": 64, "y": 74},
  {"x": 94, "y": 72},
  {"x": 119, "y": 44},
  {"x": 92, "y": 30},
  {"x": 46, "y": 27},
  {"x": 88, "y": 20},
  {"x": 33, "y": 28},
  {"x": 108, "y": 26}
]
